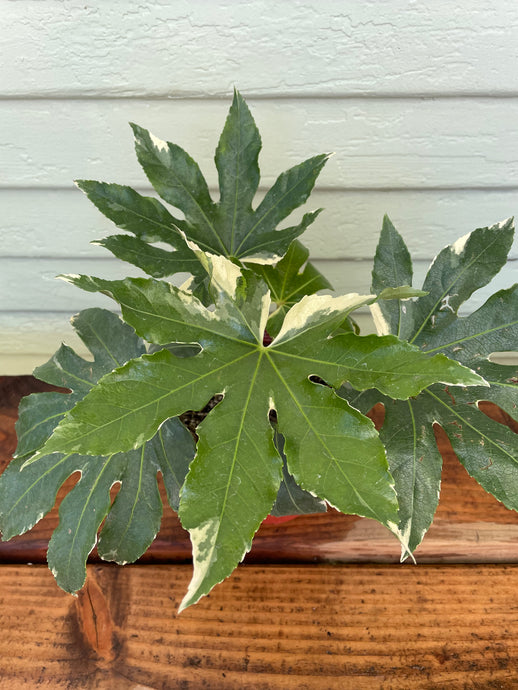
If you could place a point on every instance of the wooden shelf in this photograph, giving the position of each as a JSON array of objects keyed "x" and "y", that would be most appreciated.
[
  {"x": 320, "y": 603},
  {"x": 299, "y": 627}
]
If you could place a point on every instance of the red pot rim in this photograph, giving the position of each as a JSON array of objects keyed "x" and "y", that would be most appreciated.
[{"x": 278, "y": 519}]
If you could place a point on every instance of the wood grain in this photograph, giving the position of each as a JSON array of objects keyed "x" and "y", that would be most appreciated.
[{"x": 309, "y": 627}]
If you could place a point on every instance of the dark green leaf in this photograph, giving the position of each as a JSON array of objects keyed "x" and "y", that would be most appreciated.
[
  {"x": 80, "y": 515},
  {"x": 457, "y": 271},
  {"x": 171, "y": 450},
  {"x": 134, "y": 519},
  {"x": 156, "y": 262},
  {"x": 144, "y": 216},
  {"x": 111, "y": 342},
  {"x": 291, "y": 499},
  {"x": 392, "y": 268},
  {"x": 488, "y": 450},
  {"x": 238, "y": 168},
  {"x": 230, "y": 227},
  {"x": 28, "y": 491},
  {"x": 414, "y": 459},
  {"x": 291, "y": 189},
  {"x": 179, "y": 181}
]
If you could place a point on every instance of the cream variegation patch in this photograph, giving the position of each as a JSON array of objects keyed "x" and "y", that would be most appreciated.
[{"x": 313, "y": 310}]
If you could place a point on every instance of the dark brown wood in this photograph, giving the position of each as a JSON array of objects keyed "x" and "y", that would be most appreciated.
[{"x": 299, "y": 627}]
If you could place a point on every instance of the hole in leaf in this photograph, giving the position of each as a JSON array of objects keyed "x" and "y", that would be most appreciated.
[
  {"x": 66, "y": 488},
  {"x": 192, "y": 418},
  {"x": 267, "y": 339},
  {"x": 498, "y": 415},
  {"x": 115, "y": 488},
  {"x": 377, "y": 415},
  {"x": 320, "y": 382}
]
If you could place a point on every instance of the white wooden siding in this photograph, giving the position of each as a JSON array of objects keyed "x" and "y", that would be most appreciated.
[
  {"x": 295, "y": 47},
  {"x": 419, "y": 102}
]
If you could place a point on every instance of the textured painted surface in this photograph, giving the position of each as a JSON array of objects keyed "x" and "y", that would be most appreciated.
[
  {"x": 420, "y": 104},
  {"x": 58, "y": 295},
  {"x": 53, "y": 223},
  {"x": 381, "y": 143},
  {"x": 318, "y": 46}
]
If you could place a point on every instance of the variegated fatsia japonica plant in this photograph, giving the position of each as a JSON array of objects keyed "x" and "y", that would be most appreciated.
[{"x": 289, "y": 376}]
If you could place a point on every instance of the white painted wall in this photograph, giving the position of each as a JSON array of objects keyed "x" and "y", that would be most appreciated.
[{"x": 419, "y": 101}]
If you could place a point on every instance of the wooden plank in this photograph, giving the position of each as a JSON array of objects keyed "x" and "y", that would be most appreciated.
[
  {"x": 470, "y": 525},
  {"x": 311, "y": 627},
  {"x": 382, "y": 144},
  {"x": 311, "y": 48},
  {"x": 61, "y": 223}
]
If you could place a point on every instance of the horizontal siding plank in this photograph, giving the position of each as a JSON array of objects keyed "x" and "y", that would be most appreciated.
[
  {"x": 387, "y": 144},
  {"x": 27, "y": 339},
  {"x": 61, "y": 223},
  {"x": 325, "y": 47},
  {"x": 30, "y": 284}
]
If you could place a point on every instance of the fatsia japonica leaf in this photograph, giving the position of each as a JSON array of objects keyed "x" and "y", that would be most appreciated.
[
  {"x": 150, "y": 222},
  {"x": 289, "y": 281},
  {"x": 230, "y": 226},
  {"x": 291, "y": 499},
  {"x": 487, "y": 449},
  {"x": 28, "y": 492},
  {"x": 331, "y": 449},
  {"x": 111, "y": 343}
]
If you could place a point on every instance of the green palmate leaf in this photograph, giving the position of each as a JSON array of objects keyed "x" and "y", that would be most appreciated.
[
  {"x": 111, "y": 342},
  {"x": 150, "y": 222},
  {"x": 288, "y": 283},
  {"x": 392, "y": 268},
  {"x": 291, "y": 499},
  {"x": 154, "y": 261},
  {"x": 331, "y": 449},
  {"x": 488, "y": 450},
  {"x": 231, "y": 226},
  {"x": 28, "y": 492}
]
